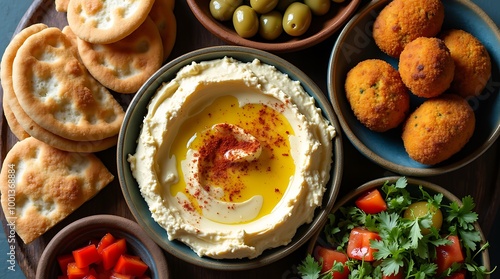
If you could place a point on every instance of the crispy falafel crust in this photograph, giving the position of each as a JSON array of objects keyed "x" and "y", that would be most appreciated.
[
  {"x": 377, "y": 95},
  {"x": 402, "y": 21},
  {"x": 472, "y": 62},
  {"x": 426, "y": 67},
  {"x": 438, "y": 129}
]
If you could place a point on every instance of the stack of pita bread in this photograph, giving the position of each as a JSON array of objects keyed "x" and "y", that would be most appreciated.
[{"x": 58, "y": 101}]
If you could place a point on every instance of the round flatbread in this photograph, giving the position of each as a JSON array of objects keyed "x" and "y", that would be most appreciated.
[
  {"x": 56, "y": 91},
  {"x": 104, "y": 22},
  {"x": 125, "y": 65}
]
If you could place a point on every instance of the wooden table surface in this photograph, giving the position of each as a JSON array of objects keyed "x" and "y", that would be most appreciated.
[{"x": 481, "y": 178}]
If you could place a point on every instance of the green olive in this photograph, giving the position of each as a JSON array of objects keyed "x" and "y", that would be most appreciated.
[
  {"x": 283, "y": 4},
  {"x": 421, "y": 209},
  {"x": 318, "y": 7},
  {"x": 297, "y": 19},
  {"x": 223, "y": 9},
  {"x": 263, "y": 6},
  {"x": 245, "y": 21},
  {"x": 270, "y": 25}
]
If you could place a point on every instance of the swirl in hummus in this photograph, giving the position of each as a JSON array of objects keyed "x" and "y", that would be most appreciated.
[{"x": 232, "y": 157}]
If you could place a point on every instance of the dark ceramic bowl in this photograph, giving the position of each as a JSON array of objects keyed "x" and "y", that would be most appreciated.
[
  {"x": 321, "y": 27},
  {"x": 413, "y": 187},
  {"x": 355, "y": 44},
  {"x": 80, "y": 232},
  {"x": 130, "y": 131}
]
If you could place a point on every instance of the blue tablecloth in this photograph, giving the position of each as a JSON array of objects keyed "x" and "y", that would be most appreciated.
[{"x": 12, "y": 11}]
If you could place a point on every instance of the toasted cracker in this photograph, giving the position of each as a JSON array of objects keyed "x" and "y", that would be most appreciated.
[
  {"x": 57, "y": 92},
  {"x": 41, "y": 185},
  {"x": 104, "y": 22},
  {"x": 125, "y": 65},
  {"x": 62, "y": 5},
  {"x": 163, "y": 16}
]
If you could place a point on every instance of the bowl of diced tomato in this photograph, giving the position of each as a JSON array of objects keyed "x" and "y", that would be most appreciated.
[
  {"x": 397, "y": 227},
  {"x": 102, "y": 246}
]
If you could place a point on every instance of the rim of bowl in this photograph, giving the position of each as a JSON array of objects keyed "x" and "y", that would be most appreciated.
[
  {"x": 378, "y": 182},
  {"x": 403, "y": 170},
  {"x": 166, "y": 73},
  {"x": 126, "y": 227},
  {"x": 219, "y": 30}
]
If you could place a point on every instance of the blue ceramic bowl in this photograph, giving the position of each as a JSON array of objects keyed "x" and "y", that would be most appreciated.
[
  {"x": 130, "y": 133},
  {"x": 355, "y": 44}
]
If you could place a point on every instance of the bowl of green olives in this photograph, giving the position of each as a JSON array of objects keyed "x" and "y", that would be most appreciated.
[{"x": 273, "y": 25}]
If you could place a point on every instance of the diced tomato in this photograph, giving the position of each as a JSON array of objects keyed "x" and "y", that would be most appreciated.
[
  {"x": 400, "y": 275},
  {"x": 74, "y": 272},
  {"x": 86, "y": 256},
  {"x": 63, "y": 261},
  {"x": 457, "y": 275},
  {"x": 446, "y": 255},
  {"x": 112, "y": 253},
  {"x": 105, "y": 241},
  {"x": 130, "y": 265},
  {"x": 358, "y": 246},
  {"x": 329, "y": 257},
  {"x": 371, "y": 202}
]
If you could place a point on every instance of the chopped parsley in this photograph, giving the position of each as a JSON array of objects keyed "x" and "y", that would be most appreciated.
[{"x": 403, "y": 247}]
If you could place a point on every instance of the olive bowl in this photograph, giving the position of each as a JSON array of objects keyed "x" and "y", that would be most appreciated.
[
  {"x": 320, "y": 29},
  {"x": 413, "y": 185},
  {"x": 127, "y": 144},
  {"x": 355, "y": 44},
  {"x": 80, "y": 232}
]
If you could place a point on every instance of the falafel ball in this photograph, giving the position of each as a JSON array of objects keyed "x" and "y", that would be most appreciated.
[
  {"x": 377, "y": 95},
  {"x": 438, "y": 128},
  {"x": 472, "y": 62},
  {"x": 426, "y": 67},
  {"x": 402, "y": 21}
]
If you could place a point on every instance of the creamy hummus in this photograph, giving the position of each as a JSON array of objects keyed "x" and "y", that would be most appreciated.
[{"x": 232, "y": 157}]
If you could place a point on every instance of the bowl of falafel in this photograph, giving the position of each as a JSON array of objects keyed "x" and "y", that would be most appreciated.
[{"x": 414, "y": 84}]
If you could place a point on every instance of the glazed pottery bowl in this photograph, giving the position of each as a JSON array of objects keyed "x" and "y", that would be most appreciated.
[
  {"x": 413, "y": 184},
  {"x": 355, "y": 44},
  {"x": 81, "y": 232},
  {"x": 321, "y": 28},
  {"x": 130, "y": 131}
]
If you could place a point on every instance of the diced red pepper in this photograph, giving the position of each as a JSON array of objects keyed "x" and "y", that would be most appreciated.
[
  {"x": 358, "y": 246},
  {"x": 130, "y": 265},
  {"x": 74, "y": 272},
  {"x": 446, "y": 255},
  {"x": 116, "y": 275},
  {"x": 112, "y": 253},
  {"x": 63, "y": 261},
  {"x": 105, "y": 241},
  {"x": 329, "y": 257},
  {"x": 86, "y": 256},
  {"x": 371, "y": 202}
]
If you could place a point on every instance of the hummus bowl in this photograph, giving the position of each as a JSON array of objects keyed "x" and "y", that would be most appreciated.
[
  {"x": 229, "y": 157},
  {"x": 355, "y": 44}
]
